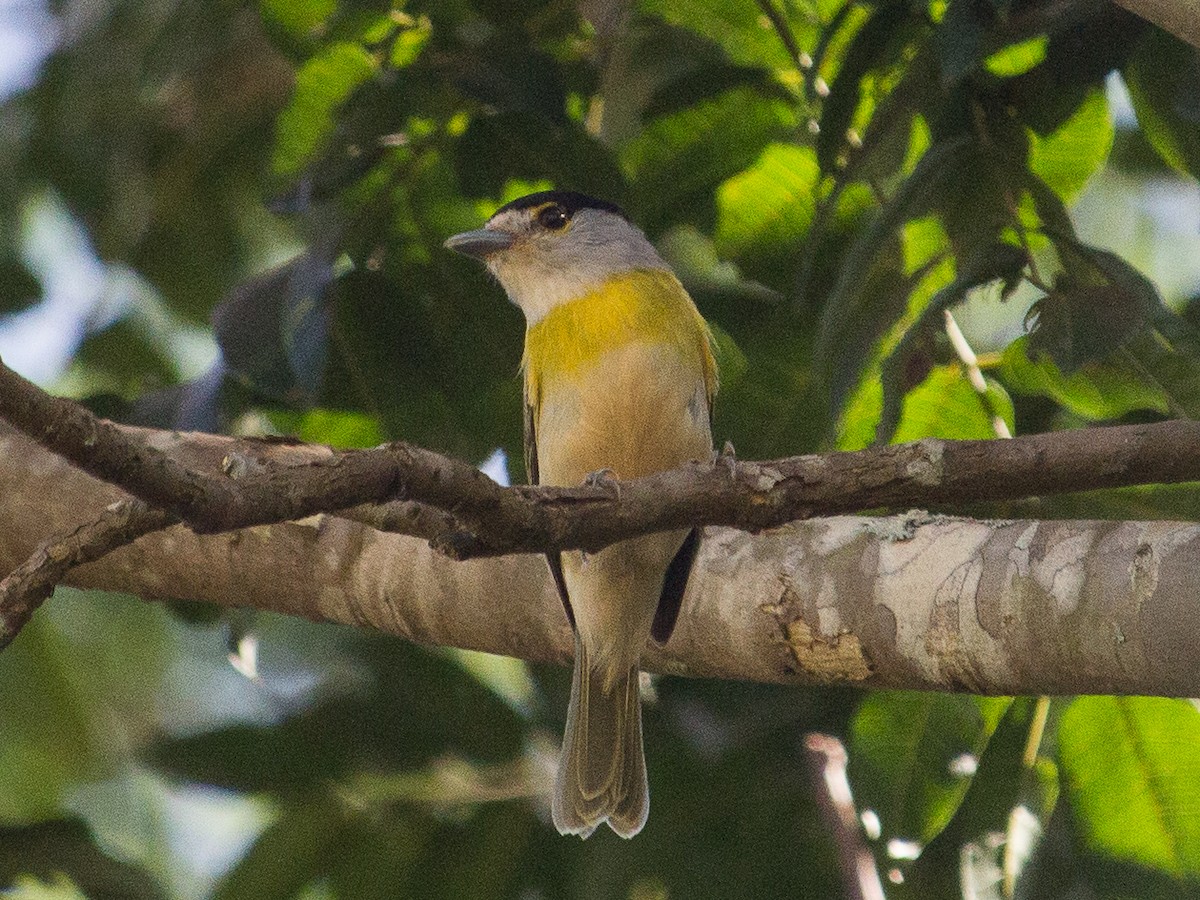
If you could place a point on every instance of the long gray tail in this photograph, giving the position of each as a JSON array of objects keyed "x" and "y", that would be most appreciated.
[{"x": 601, "y": 770}]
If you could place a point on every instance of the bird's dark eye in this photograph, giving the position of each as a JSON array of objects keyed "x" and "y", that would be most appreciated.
[{"x": 553, "y": 217}]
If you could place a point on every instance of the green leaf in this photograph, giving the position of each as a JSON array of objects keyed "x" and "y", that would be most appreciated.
[
  {"x": 998, "y": 261},
  {"x": 768, "y": 207},
  {"x": 1167, "y": 358},
  {"x": 1163, "y": 77},
  {"x": 37, "y": 726},
  {"x": 741, "y": 29},
  {"x": 341, "y": 733},
  {"x": 298, "y": 17},
  {"x": 1098, "y": 389},
  {"x": 1016, "y": 59},
  {"x": 1132, "y": 768},
  {"x": 381, "y": 857},
  {"x": 498, "y": 148},
  {"x": 885, "y": 297},
  {"x": 906, "y": 750},
  {"x": 1002, "y": 784},
  {"x": 1076, "y": 323},
  {"x": 1094, "y": 306},
  {"x": 322, "y": 84},
  {"x": 731, "y": 361},
  {"x": 63, "y": 854},
  {"x": 19, "y": 289},
  {"x": 1157, "y": 369},
  {"x": 677, "y": 159},
  {"x": 302, "y": 845},
  {"x": 708, "y": 81},
  {"x": 339, "y": 428},
  {"x": 851, "y": 307},
  {"x": 123, "y": 358},
  {"x": 945, "y": 405},
  {"x": 1066, "y": 158}
]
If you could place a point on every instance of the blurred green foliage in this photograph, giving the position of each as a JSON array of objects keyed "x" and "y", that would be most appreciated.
[{"x": 828, "y": 177}]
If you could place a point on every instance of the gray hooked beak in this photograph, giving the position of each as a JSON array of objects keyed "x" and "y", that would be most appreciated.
[{"x": 480, "y": 243}]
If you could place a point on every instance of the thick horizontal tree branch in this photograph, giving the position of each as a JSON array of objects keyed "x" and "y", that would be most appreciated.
[
  {"x": 1180, "y": 17},
  {"x": 911, "y": 601},
  {"x": 283, "y": 481}
]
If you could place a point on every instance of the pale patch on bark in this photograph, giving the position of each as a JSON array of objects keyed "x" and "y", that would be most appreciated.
[
  {"x": 928, "y": 469},
  {"x": 1061, "y": 572},
  {"x": 914, "y": 576},
  {"x": 827, "y": 660}
]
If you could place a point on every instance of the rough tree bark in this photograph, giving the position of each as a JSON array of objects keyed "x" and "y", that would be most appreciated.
[
  {"x": 1180, "y": 17},
  {"x": 913, "y": 600}
]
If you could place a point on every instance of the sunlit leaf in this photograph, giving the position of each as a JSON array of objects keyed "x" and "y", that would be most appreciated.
[
  {"x": 678, "y": 158},
  {"x": 339, "y": 428},
  {"x": 298, "y": 17},
  {"x": 946, "y": 405},
  {"x": 1135, "y": 760},
  {"x": 911, "y": 357},
  {"x": 321, "y": 85},
  {"x": 1018, "y": 58},
  {"x": 769, "y": 205},
  {"x": 1066, "y": 158},
  {"x": 746, "y": 35}
]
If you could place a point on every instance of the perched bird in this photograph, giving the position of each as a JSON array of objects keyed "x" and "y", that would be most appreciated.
[{"x": 619, "y": 382}]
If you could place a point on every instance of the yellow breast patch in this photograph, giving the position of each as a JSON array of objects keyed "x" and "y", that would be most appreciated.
[{"x": 643, "y": 305}]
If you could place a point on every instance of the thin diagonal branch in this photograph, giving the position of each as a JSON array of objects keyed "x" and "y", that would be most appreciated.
[
  {"x": 784, "y": 31},
  {"x": 299, "y": 480},
  {"x": 32, "y": 582},
  {"x": 827, "y": 760}
]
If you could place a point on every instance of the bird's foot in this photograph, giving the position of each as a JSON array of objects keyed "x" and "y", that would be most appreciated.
[
  {"x": 726, "y": 457},
  {"x": 606, "y": 479}
]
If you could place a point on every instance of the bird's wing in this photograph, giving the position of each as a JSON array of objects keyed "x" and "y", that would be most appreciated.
[
  {"x": 531, "y": 470},
  {"x": 676, "y": 580}
]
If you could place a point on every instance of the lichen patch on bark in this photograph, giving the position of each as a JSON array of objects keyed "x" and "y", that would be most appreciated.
[{"x": 825, "y": 659}]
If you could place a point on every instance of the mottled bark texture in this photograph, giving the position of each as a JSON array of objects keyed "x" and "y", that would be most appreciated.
[{"x": 907, "y": 601}]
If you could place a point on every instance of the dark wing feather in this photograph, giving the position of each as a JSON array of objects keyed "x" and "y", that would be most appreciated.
[
  {"x": 531, "y": 469},
  {"x": 674, "y": 586}
]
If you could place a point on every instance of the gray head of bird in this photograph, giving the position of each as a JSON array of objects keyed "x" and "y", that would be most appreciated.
[{"x": 553, "y": 246}]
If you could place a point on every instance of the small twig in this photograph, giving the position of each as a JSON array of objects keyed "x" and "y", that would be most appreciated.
[
  {"x": 827, "y": 759},
  {"x": 32, "y": 582},
  {"x": 1016, "y": 849},
  {"x": 802, "y": 60},
  {"x": 974, "y": 374},
  {"x": 406, "y": 517}
]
